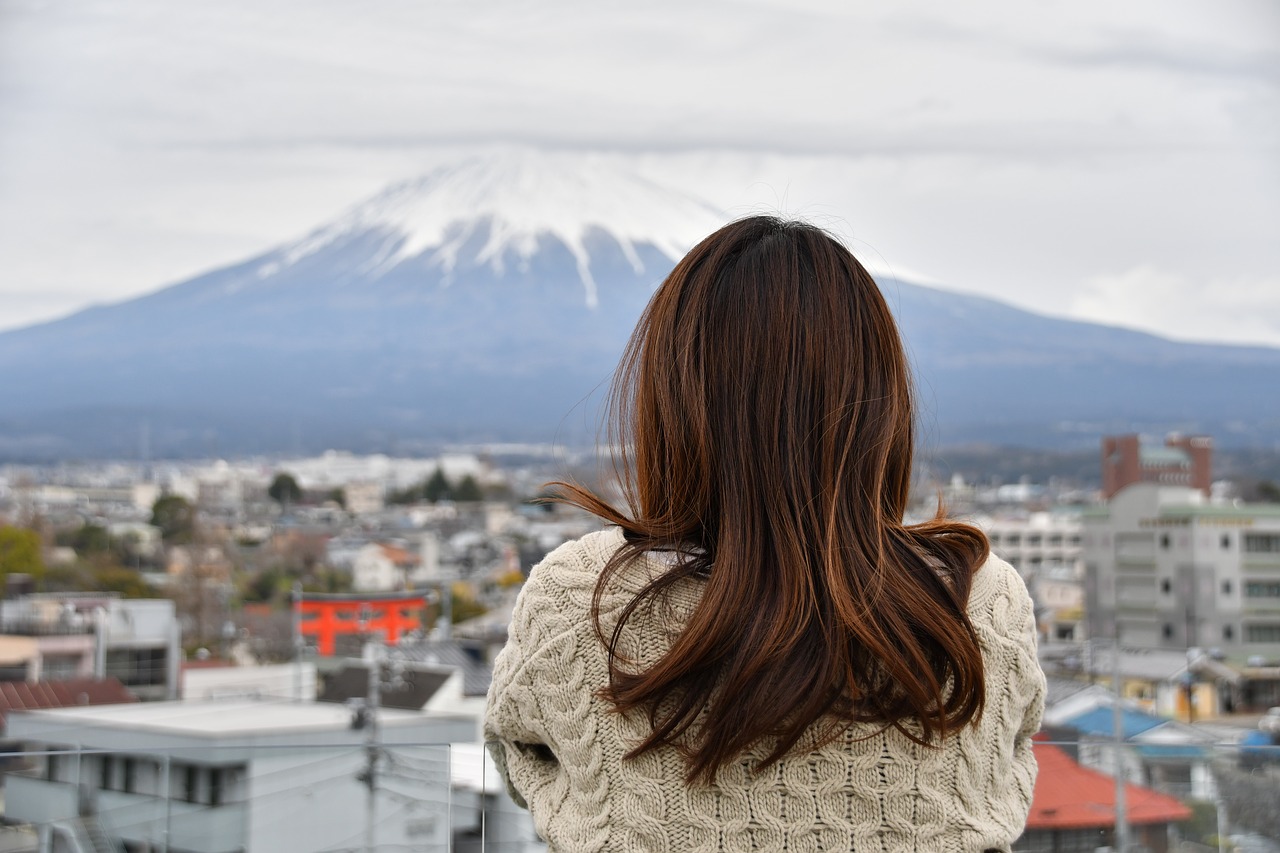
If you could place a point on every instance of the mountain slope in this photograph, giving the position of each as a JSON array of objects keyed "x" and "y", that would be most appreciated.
[{"x": 491, "y": 300}]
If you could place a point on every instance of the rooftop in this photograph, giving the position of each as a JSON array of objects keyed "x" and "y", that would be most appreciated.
[
  {"x": 224, "y": 724},
  {"x": 1068, "y": 796}
]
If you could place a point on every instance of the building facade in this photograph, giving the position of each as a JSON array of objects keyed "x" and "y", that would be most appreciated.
[
  {"x": 1184, "y": 460},
  {"x": 79, "y": 635},
  {"x": 1045, "y": 548},
  {"x": 1167, "y": 569},
  {"x": 234, "y": 777}
]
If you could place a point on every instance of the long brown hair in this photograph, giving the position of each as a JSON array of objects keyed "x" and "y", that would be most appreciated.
[{"x": 765, "y": 420}]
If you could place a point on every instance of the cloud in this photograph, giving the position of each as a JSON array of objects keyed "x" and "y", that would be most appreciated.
[{"x": 1241, "y": 309}]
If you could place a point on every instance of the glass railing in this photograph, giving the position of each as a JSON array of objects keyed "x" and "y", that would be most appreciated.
[{"x": 357, "y": 794}]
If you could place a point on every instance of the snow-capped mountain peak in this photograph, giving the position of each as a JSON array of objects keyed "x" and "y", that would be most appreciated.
[{"x": 519, "y": 197}]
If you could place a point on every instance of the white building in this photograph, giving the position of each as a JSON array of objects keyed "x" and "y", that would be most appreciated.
[
  {"x": 83, "y": 634},
  {"x": 1035, "y": 541},
  {"x": 1167, "y": 569},
  {"x": 295, "y": 681},
  {"x": 383, "y": 567},
  {"x": 1045, "y": 548},
  {"x": 222, "y": 777}
]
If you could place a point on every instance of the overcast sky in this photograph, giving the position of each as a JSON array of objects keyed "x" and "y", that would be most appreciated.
[{"x": 1112, "y": 161}]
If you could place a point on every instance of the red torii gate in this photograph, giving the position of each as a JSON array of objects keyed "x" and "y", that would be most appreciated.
[{"x": 326, "y": 617}]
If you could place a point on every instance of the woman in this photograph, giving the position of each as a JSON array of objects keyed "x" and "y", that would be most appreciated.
[{"x": 759, "y": 654}]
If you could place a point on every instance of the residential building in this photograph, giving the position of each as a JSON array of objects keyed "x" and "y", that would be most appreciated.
[
  {"x": 235, "y": 777},
  {"x": 1167, "y": 569},
  {"x": 1073, "y": 808},
  {"x": 1045, "y": 548},
  {"x": 383, "y": 567},
  {"x": 75, "y": 635}
]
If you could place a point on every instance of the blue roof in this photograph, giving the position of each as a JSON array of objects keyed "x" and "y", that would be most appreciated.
[
  {"x": 1100, "y": 721},
  {"x": 1172, "y": 751}
]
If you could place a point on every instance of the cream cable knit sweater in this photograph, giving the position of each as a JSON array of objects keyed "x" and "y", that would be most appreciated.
[{"x": 560, "y": 748}]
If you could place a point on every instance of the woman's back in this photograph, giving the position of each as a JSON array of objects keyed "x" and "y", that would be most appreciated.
[
  {"x": 873, "y": 788},
  {"x": 764, "y": 654}
]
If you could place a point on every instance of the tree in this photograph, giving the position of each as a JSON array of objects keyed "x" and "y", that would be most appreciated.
[
  {"x": 437, "y": 487},
  {"x": 87, "y": 539},
  {"x": 1268, "y": 491},
  {"x": 284, "y": 489},
  {"x": 176, "y": 519},
  {"x": 20, "y": 553},
  {"x": 468, "y": 490},
  {"x": 113, "y": 577}
]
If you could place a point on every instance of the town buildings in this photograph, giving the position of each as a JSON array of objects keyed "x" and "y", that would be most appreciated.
[
  {"x": 235, "y": 776},
  {"x": 1045, "y": 548},
  {"x": 80, "y": 635},
  {"x": 1165, "y": 568}
]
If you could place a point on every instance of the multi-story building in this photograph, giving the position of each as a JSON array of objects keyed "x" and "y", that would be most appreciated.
[
  {"x": 1184, "y": 460},
  {"x": 1165, "y": 568},
  {"x": 1045, "y": 549},
  {"x": 1036, "y": 541},
  {"x": 79, "y": 635},
  {"x": 237, "y": 777}
]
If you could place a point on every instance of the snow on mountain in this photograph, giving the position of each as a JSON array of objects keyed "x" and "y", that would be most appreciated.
[
  {"x": 489, "y": 301},
  {"x": 521, "y": 198}
]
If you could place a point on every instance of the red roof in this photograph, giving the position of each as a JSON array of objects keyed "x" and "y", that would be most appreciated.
[
  {"x": 29, "y": 696},
  {"x": 1068, "y": 796}
]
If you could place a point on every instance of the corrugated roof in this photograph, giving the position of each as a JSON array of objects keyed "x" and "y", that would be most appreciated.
[
  {"x": 1101, "y": 721},
  {"x": 74, "y": 692},
  {"x": 1068, "y": 796}
]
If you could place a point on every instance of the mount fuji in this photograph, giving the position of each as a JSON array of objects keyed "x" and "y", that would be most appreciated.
[{"x": 490, "y": 300}]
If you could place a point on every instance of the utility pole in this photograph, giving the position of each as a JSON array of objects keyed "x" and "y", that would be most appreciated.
[
  {"x": 297, "y": 640},
  {"x": 1117, "y": 725},
  {"x": 373, "y": 659}
]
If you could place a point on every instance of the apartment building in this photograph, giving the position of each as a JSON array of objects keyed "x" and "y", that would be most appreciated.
[
  {"x": 1165, "y": 568},
  {"x": 1045, "y": 548},
  {"x": 51, "y": 636}
]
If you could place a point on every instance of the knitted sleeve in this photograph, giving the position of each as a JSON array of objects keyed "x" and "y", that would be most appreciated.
[
  {"x": 1028, "y": 684},
  {"x": 517, "y": 727}
]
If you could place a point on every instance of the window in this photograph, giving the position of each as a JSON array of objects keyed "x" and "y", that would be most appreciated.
[
  {"x": 216, "y": 785},
  {"x": 1226, "y": 541},
  {"x": 105, "y": 771},
  {"x": 1262, "y": 589},
  {"x": 1168, "y": 631},
  {"x": 190, "y": 784},
  {"x": 1226, "y": 587},
  {"x": 1262, "y": 543},
  {"x": 1228, "y": 632},
  {"x": 130, "y": 775},
  {"x": 137, "y": 667},
  {"x": 1262, "y": 633},
  {"x": 1164, "y": 541},
  {"x": 59, "y": 667},
  {"x": 1013, "y": 539},
  {"x": 1055, "y": 540},
  {"x": 1033, "y": 540},
  {"x": 1166, "y": 587}
]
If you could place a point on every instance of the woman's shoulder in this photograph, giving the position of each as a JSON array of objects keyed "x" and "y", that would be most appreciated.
[
  {"x": 576, "y": 564},
  {"x": 998, "y": 597}
]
